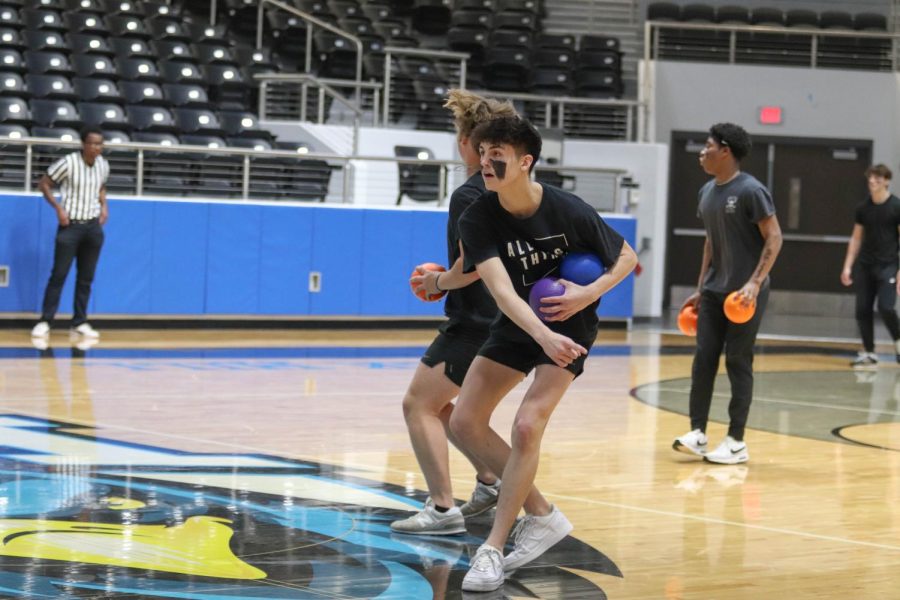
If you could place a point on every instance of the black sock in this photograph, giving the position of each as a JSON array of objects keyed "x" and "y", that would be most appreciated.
[
  {"x": 440, "y": 509},
  {"x": 485, "y": 483}
]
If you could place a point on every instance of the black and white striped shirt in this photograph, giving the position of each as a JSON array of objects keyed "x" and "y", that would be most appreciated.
[{"x": 79, "y": 184}]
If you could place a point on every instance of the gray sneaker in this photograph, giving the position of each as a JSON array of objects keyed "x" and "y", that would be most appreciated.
[
  {"x": 429, "y": 521},
  {"x": 484, "y": 497}
]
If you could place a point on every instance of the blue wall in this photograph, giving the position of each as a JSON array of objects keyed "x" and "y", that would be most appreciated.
[{"x": 191, "y": 258}]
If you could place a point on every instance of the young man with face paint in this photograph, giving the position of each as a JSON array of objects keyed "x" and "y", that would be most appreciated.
[
  {"x": 514, "y": 235},
  {"x": 871, "y": 263}
]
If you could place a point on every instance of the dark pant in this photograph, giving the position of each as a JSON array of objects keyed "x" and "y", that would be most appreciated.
[
  {"x": 715, "y": 332},
  {"x": 876, "y": 282},
  {"x": 81, "y": 241}
]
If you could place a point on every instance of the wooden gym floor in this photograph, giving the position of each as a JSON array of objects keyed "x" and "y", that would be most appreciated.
[{"x": 258, "y": 464}]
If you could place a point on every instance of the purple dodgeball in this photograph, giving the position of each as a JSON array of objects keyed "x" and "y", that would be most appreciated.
[{"x": 548, "y": 286}]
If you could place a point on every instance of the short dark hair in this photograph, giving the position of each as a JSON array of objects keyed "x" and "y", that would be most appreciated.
[
  {"x": 734, "y": 137},
  {"x": 86, "y": 131},
  {"x": 879, "y": 170},
  {"x": 515, "y": 131}
]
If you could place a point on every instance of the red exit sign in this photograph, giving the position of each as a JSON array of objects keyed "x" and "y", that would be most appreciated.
[{"x": 770, "y": 115}]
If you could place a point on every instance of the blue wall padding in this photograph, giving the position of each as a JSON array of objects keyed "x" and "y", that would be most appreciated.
[{"x": 231, "y": 258}]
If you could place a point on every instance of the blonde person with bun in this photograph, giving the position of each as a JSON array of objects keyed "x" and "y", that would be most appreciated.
[{"x": 470, "y": 309}]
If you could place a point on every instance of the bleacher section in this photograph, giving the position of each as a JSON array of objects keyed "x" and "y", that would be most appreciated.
[
  {"x": 152, "y": 72},
  {"x": 792, "y": 37}
]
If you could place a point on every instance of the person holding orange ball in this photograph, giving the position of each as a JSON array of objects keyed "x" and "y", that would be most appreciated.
[
  {"x": 470, "y": 309},
  {"x": 743, "y": 239}
]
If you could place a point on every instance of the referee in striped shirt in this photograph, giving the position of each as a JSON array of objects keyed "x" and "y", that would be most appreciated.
[{"x": 82, "y": 212}]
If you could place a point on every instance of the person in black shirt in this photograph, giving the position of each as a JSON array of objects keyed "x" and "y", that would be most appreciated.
[
  {"x": 470, "y": 309},
  {"x": 743, "y": 239},
  {"x": 513, "y": 236},
  {"x": 872, "y": 265}
]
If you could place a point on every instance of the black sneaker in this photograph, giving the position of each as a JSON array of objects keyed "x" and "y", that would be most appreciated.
[{"x": 865, "y": 360}]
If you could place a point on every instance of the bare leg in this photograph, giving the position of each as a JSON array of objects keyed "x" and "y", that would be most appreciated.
[
  {"x": 487, "y": 382},
  {"x": 427, "y": 407},
  {"x": 531, "y": 420}
]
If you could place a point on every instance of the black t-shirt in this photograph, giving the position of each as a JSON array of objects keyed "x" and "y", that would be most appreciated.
[
  {"x": 533, "y": 247},
  {"x": 880, "y": 239},
  {"x": 471, "y": 307}
]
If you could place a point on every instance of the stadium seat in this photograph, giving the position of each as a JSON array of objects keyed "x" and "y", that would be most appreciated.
[
  {"x": 122, "y": 7},
  {"x": 14, "y": 132},
  {"x": 242, "y": 124},
  {"x": 210, "y": 54},
  {"x": 180, "y": 71},
  {"x": 92, "y": 89},
  {"x": 86, "y": 23},
  {"x": 663, "y": 11},
  {"x": 55, "y": 87},
  {"x": 733, "y": 15},
  {"x": 93, "y": 6},
  {"x": 169, "y": 30},
  {"x": 12, "y": 84},
  {"x": 767, "y": 16},
  {"x": 553, "y": 40},
  {"x": 698, "y": 13},
  {"x": 94, "y": 65},
  {"x": 104, "y": 115},
  {"x": 54, "y": 113},
  {"x": 173, "y": 50},
  {"x": 9, "y": 17},
  {"x": 90, "y": 43},
  {"x": 64, "y": 134},
  {"x": 161, "y": 11},
  {"x": 45, "y": 40},
  {"x": 12, "y": 61},
  {"x": 421, "y": 183},
  {"x": 48, "y": 63},
  {"x": 798, "y": 17},
  {"x": 431, "y": 17},
  {"x": 145, "y": 93},
  {"x": 128, "y": 26},
  {"x": 138, "y": 69},
  {"x": 151, "y": 118},
  {"x": 132, "y": 48},
  {"x": 515, "y": 21},
  {"x": 203, "y": 33},
  {"x": 874, "y": 22},
  {"x": 14, "y": 111},
  {"x": 836, "y": 19},
  {"x": 10, "y": 38},
  {"x": 193, "y": 121},
  {"x": 186, "y": 95},
  {"x": 39, "y": 18}
]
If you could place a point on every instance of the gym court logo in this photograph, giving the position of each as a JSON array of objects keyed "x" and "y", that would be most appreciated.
[{"x": 83, "y": 516}]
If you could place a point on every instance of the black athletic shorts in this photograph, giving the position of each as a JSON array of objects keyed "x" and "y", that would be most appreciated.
[
  {"x": 456, "y": 347},
  {"x": 513, "y": 348}
]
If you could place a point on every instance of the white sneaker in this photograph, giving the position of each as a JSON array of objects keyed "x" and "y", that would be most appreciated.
[
  {"x": 535, "y": 535},
  {"x": 484, "y": 497},
  {"x": 693, "y": 442},
  {"x": 486, "y": 572},
  {"x": 40, "y": 343},
  {"x": 40, "y": 330},
  {"x": 86, "y": 330},
  {"x": 729, "y": 452},
  {"x": 429, "y": 521},
  {"x": 865, "y": 360},
  {"x": 86, "y": 343}
]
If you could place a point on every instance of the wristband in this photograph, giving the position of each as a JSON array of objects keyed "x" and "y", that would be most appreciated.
[{"x": 436, "y": 284}]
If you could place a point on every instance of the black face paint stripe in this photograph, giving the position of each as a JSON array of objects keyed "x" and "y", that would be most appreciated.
[{"x": 499, "y": 167}]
